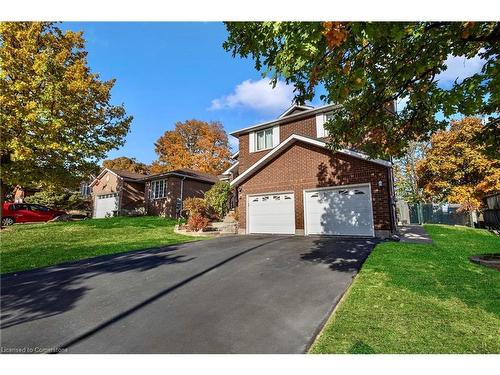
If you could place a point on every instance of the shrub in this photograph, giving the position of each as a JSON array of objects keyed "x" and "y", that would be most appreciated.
[
  {"x": 217, "y": 198},
  {"x": 197, "y": 222},
  {"x": 195, "y": 206},
  {"x": 62, "y": 200}
]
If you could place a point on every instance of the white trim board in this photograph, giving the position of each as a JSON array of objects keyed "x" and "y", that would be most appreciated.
[
  {"x": 293, "y": 138},
  {"x": 231, "y": 168}
]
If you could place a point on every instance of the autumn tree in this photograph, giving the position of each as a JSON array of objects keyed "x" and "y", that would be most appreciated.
[
  {"x": 193, "y": 144},
  {"x": 366, "y": 66},
  {"x": 455, "y": 169},
  {"x": 56, "y": 117},
  {"x": 126, "y": 164}
]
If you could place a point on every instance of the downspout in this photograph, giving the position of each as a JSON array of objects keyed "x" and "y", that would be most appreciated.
[
  {"x": 182, "y": 196},
  {"x": 120, "y": 197}
]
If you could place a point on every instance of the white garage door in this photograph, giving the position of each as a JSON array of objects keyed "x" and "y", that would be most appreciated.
[
  {"x": 272, "y": 213},
  {"x": 106, "y": 205},
  {"x": 343, "y": 211}
]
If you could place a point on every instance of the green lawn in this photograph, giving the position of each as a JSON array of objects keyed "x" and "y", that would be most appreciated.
[
  {"x": 32, "y": 246},
  {"x": 411, "y": 298}
]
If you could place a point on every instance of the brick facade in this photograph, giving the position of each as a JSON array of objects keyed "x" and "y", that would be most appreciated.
[
  {"x": 131, "y": 194},
  {"x": 167, "y": 206},
  {"x": 303, "y": 166},
  {"x": 246, "y": 158}
]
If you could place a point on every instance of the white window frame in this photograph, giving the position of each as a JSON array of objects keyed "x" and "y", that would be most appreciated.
[
  {"x": 321, "y": 119},
  {"x": 158, "y": 189},
  {"x": 273, "y": 135},
  {"x": 267, "y": 135}
]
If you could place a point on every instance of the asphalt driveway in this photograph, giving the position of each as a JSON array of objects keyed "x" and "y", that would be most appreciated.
[{"x": 238, "y": 294}]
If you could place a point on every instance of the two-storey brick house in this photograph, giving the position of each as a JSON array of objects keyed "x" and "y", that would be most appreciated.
[{"x": 289, "y": 182}]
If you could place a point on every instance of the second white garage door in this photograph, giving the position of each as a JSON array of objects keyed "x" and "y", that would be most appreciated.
[
  {"x": 272, "y": 213},
  {"x": 343, "y": 211}
]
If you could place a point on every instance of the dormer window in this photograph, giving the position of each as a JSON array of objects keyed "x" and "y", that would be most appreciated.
[{"x": 264, "y": 139}]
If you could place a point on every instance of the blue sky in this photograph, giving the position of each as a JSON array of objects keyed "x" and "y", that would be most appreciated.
[
  {"x": 173, "y": 71},
  {"x": 169, "y": 72}
]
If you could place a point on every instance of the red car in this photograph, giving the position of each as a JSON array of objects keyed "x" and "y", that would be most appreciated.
[{"x": 27, "y": 213}]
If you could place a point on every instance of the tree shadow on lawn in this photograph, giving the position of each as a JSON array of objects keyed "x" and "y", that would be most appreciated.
[
  {"x": 340, "y": 253},
  {"x": 45, "y": 292},
  {"x": 441, "y": 270}
]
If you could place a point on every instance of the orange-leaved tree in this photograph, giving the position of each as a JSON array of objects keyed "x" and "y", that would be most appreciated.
[
  {"x": 193, "y": 144},
  {"x": 124, "y": 163},
  {"x": 455, "y": 168}
]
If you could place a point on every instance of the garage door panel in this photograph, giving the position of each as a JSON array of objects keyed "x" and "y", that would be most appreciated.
[
  {"x": 106, "y": 205},
  {"x": 339, "y": 211},
  {"x": 272, "y": 213}
]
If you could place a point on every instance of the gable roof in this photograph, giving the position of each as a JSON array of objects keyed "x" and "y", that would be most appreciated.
[
  {"x": 128, "y": 174},
  {"x": 295, "y": 108},
  {"x": 184, "y": 172},
  {"x": 119, "y": 173},
  {"x": 294, "y": 116},
  {"x": 300, "y": 138}
]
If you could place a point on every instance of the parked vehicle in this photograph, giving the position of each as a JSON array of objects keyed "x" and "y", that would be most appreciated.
[{"x": 27, "y": 213}]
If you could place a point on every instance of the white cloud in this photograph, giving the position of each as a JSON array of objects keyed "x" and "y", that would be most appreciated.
[
  {"x": 461, "y": 68},
  {"x": 257, "y": 95}
]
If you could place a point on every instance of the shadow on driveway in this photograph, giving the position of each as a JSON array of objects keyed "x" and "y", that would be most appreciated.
[
  {"x": 37, "y": 294},
  {"x": 340, "y": 253}
]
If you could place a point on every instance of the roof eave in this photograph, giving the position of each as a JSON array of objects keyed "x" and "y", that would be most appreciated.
[{"x": 306, "y": 113}]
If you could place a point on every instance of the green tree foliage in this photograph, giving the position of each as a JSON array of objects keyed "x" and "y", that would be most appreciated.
[
  {"x": 366, "y": 66},
  {"x": 217, "y": 197},
  {"x": 57, "y": 199},
  {"x": 124, "y": 163},
  {"x": 56, "y": 116}
]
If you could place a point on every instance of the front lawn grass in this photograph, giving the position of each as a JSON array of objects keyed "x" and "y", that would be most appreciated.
[
  {"x": 414, "y": 298},
  {"x": 31, "y": 246}
]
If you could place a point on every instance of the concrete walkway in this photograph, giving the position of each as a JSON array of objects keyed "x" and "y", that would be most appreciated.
[{"x": 413, "y": 234}]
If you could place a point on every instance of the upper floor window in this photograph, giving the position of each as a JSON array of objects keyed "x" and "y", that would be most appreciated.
[
  {"x": 328, "y": 116},
  {"x": 321, "y": 119},
  {"x": 264, "y": 139},
  {"x": 85, "y": 189},
  {"x": 158, "y": 189}
]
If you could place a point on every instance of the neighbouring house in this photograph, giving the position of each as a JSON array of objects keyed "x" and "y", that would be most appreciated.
[
  {"x": 116, "y": 193},
  {"x": 165, "y": 192},
  {"x": 288, "y": 181}
]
